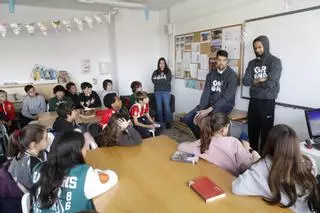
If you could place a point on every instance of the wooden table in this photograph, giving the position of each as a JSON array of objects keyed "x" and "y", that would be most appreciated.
[
  {"x": 47, "y": 119},
  {"x": 150, "y": 183}
]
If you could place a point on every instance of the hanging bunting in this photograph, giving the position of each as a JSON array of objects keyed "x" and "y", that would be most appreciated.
[
  {"x": 67, "y": 25},
  {"x": 79, "y": 23},
  {"x": 43, "y": 28},
  {"x": 16, "y": 28},
  {"x": 11, "y": 6},
  {"x": 146, "y": 13},
  {"x": 88, "y": 19},
  {"x": 3, "y": 30},
  {"x": 30, "y": 28},
  {"x": 56, "y": 25},
  {"x": 98, "y": 19},
  {"x": 107, "y": 16}
]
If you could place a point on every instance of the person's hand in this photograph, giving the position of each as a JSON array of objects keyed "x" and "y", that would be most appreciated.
[
  {"x": 81, "y": 103},
  {"x": 201, "y": 114},
  {"x": 88, "y": 103},
  {"x": 255, "y": 156},
  {"x": 246, "y": 145},
  {"x": 36, "y": 117},
  {"x": 256, "y": 81},
  {"x": 123, "y": 123},
  {"x": 261, "y": 80},
  {"x": 152, "y": 126},
  {"x": 92, "y": 100}
]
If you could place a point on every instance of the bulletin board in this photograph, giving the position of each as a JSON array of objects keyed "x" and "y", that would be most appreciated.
[{"x": 195, "y": 53}]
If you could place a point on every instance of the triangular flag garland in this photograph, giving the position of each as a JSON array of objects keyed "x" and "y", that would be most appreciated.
[{"x": 57, "y": 25}]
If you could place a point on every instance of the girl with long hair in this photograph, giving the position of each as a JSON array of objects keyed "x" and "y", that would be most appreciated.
[
  {"x": 119, "y": 132},
  {"x": 65, "y": 183},
  {"x": 27, "y": 149},
  {"x": 218, "y": 148},
  {"x": 161, "y": 78},
  {"x": 283, "y": 176}
]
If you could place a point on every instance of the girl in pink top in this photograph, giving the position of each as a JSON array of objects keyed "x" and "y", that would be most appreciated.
[{"x": 216, "y": 147}]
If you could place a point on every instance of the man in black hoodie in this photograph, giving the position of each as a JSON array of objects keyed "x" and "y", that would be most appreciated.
[
  {"x": 218, "y": 94},
  {"x": 262, "y": 75}
]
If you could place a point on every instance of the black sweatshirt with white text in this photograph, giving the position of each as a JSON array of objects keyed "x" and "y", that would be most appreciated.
[
  {"x": 265, "y": 66},
  {"x": 161, "y": 81},
  {"x": 220, "y": 89}
]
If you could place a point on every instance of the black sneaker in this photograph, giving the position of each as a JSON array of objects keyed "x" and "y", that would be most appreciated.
[{"x": 168, "y": 126}]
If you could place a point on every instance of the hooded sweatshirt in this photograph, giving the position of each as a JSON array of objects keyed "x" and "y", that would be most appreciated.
[
  {"x": 31, "y": 106},
  {"x": 220, "y": 89},
  {"x": 265, "y": 66},
  {"x": 161, "y": 81}
]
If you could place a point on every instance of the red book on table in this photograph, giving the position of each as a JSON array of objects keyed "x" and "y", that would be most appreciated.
[{"x": 207, "y": 189}]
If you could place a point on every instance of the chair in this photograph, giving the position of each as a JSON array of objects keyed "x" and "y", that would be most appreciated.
[{"x": 25, "y": 203}]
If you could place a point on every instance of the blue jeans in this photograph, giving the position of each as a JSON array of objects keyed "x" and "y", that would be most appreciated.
[
  {"x": 163, "y": 100},
  {"x": 188, "y": 118}
]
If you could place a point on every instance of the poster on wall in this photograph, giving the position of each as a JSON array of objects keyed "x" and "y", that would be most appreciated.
[
  {"x": 231, "y": 41},
  {"x": 85, "y": 65},
  {"x": 205, "y": 36}
]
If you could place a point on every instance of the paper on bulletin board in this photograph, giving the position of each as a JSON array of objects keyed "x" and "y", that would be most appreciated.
[
  {"x": 231, "y": 41},
  {"x": 194, "y": 70},
  {"x": 195, "y": 49},
  {"x": 202, "y": 74},
  {"x": 178, "y": 55},
  {"x": 191, "y": 84},
  {"x": 205, "y": 36},
  {"x": 204, "y": 61},
  {"x": 186, "y": 60}
]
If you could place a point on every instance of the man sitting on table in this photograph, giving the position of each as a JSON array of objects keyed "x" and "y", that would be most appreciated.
[{"x": 218, "y": 94}]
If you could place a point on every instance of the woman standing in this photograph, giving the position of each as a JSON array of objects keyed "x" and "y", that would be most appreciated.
[{"x": 161, "y": 79}]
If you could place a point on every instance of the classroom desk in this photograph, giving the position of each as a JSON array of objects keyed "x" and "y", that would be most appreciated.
[
  {"x": 150, "y": 182},
  {"x": 47, "y": 119}
]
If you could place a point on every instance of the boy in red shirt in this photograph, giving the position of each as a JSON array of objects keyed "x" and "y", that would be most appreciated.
[
  {"x": 7, "y": 110},
  {"x": 141, "y": 119},
  {"x": 113, "y": 104}
]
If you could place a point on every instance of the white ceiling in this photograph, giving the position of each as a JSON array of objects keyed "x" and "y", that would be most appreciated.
[{"x": 74, "y": 4}]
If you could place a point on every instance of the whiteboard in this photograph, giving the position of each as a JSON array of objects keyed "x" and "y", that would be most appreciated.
[{"x": 295, "y": 39}]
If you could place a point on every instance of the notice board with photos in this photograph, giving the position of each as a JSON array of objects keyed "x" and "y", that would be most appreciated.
[{"x": 195, "y": 53}]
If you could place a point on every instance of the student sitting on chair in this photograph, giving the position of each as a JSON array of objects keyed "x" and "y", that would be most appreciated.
[
  {"x": 73, "y": 94},
  {"x": 89, "y": 98},
  {"x": 32, "y": 105},
  {"x": 65, "y": 122},
  {"x": 60, "y": 98},
  {"x": 113, "y": 104},
  {"x": 107, "y": 88},
  {"x": 26, "y": 148},
  {"x": 119, "y": 132},
  {"x": 73, "y": 187},
  {"x": 141, "y": 119},
  {"x": 7, "y": 110},
  {"x": 136, "y": 86},
  {"x": 283, "y": 176},
  {"x": 216, "y": 147}
]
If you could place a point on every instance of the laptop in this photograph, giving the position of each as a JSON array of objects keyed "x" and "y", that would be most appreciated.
[{"x": 313, "y": 123}]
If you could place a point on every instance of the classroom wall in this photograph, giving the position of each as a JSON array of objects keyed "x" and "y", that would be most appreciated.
[
  {"x": 62, "y": 52},
  {"x": 197, "y": 15},
  {"x": 130, "y": 42},
  {"x": 139, "y": 44}
]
